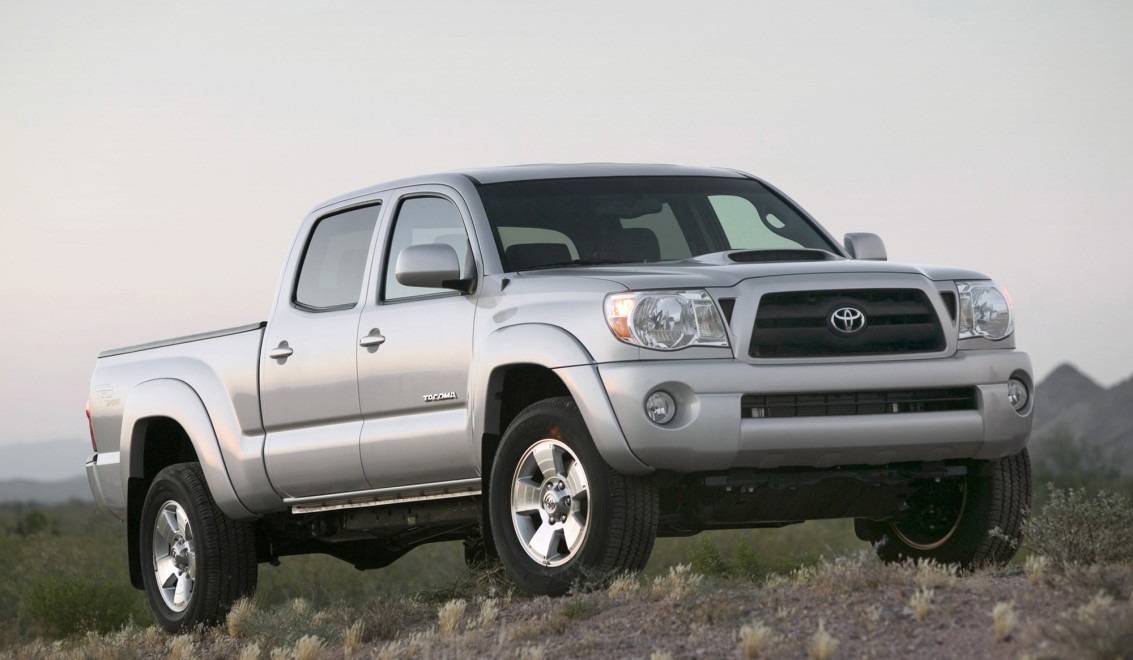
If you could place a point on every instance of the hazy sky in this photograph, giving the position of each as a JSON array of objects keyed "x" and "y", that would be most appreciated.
[{"x": 155, "y": 158}]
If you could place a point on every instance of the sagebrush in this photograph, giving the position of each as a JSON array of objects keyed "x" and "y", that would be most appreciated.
[{"x": 1074, "y": 528}]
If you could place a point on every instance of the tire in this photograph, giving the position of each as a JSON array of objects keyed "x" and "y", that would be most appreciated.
[
  {"x": 959, "y": 518},
  {"x": 196, "y": 562},
  {"x": 559, "y": 513}
]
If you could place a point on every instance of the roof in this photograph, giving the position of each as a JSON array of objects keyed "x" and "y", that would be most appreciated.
[
  {"x": 490, "y": 175},
  {"x": 552, "y": 171}
]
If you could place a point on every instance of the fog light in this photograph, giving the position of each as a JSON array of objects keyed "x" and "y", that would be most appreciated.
[
  {"x": 660, "y": 407},
  {"x": 1017, "y": 394}
]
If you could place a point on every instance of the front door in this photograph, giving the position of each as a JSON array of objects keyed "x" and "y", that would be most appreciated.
[{"x": 413, "y": 374}]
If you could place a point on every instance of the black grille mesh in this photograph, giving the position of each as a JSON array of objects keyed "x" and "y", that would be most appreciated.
[
  {"x": 822, "y": 404},
  {"x": 796, "y": 324}
]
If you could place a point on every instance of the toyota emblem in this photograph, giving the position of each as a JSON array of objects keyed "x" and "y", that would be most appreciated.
[{"x": 847, "y": 321}]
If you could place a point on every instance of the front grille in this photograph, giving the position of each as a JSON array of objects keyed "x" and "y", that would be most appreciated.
[
  {"x": 824, "y": 404},
  {"x": 798, "y": 324}
]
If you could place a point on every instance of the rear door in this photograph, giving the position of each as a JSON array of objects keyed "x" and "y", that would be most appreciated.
[
  {"x": 413, "y": 385},
  {"x": 308, "y": 365}
]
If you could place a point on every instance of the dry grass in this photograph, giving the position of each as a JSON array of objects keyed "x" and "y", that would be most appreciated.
[
  {"x": 921, "y": 603},
  {"x": 627, "y": 585},
  {"x": 1098, "y": 630},
  {"x": 930, "y": 574},
  {"x": 489, "y": 612},
  {"x": 354, "y": 639},
  {"x": 1041, "y": 607},
  {"x": 450, "y": 616},
  {"x": 240, "y": 616},
  {"x": 755, "y": 639},
  {"x": 308, "y": 648},
  {"x": 182, "y": 647},
  {"x": 679, "y": 582},
  {"x": 1004, "y": 619},
  {"x": 1036, "y": 568},
  {"x": 822, "y": 645}
]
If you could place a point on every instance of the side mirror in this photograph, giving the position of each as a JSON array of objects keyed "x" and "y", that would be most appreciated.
[
  {"x": 867, "y": 247},
  {"x": 433, "y": 266}
]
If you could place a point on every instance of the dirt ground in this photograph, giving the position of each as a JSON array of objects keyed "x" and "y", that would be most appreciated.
[
  {"x": 846, "y": 608},
  {"x": 1052, "y": 618}
]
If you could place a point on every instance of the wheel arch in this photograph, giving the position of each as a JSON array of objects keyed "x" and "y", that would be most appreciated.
[
  {"x": 164, "y": 422},
  {"x": 518, "y": 365}
]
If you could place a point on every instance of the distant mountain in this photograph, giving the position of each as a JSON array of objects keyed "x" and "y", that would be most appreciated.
[
  {"x": 45, "y": 492},
  {"x": 50, "y": 460},
  {"x": 1064, "y": 388},
  {"x": 1077, "y": 420}
]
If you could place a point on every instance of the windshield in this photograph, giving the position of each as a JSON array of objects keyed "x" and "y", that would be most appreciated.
[{"x": 614, "y": 220}]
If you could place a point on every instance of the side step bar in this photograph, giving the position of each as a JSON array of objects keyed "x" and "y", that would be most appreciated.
[{"x": 386, "y": 496}]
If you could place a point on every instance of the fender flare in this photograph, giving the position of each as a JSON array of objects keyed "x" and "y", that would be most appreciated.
[
  {"x": 176, "y": 400},
  {"x": 556, "y": 349}
]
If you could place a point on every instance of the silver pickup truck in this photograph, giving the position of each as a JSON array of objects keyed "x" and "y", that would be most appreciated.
[{"x": 557, "y": 364}]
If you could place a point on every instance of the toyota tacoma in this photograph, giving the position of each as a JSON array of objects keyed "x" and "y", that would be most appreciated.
[{"x": 557, "y": 365}]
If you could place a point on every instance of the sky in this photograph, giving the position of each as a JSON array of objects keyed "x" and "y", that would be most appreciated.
[{"x": 156, "y": 158}]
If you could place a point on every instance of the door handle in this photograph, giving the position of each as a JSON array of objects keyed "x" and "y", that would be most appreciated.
[
  {"x": 280, "y": 352},
  {"x": 372, "y": 340}
]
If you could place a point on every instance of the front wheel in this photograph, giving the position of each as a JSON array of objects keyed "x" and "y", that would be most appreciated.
[
  {"x": 196, "y": 562},
  {"x": 558, "y": 512},
  {"x": 974, "y": 521}
]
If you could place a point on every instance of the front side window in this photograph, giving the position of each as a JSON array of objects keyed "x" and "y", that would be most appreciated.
[
  {"x": 624, "y": 220},
  {"x": 422, "y": 221},
  {"x": 334, "y": 263}
]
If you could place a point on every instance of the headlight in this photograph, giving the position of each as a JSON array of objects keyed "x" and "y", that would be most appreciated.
[
  {"x": 666, "y": 320},
  {"x": 985, "y": 310}
]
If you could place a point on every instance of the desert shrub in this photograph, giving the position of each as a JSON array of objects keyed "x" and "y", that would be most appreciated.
[
  {"x": 33, "y": 522},
  {"x": 779, "y": 550},
  {"x": 62, "y": 605},
  {"x": 705, "y": 558},
  {"x": 1074, "y": 528},
  {"x": 746, "y": 562}
]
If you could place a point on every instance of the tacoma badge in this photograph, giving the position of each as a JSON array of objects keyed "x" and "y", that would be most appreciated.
[{"x": 439, "y": 396}]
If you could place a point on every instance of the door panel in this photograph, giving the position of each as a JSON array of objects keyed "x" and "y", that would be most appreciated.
[{"x": 309, "y": 391}]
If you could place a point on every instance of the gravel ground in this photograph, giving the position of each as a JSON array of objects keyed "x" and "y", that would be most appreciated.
[{"x": 863, "y": 608}]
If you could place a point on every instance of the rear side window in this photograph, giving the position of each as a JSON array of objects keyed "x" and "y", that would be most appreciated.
[{"x": 334, "y": 263}]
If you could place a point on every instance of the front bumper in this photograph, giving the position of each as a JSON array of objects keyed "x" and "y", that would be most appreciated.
[{"x": 708, "y": 432}]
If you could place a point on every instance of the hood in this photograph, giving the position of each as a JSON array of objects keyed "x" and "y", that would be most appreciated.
[{"x": 718, "y": 270}]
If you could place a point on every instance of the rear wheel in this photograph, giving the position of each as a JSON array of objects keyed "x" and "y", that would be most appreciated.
[
  {"x": 559, "y": 513},
  {"x": 974, "y": 521},
  {"x": 196, "y": 562}
]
